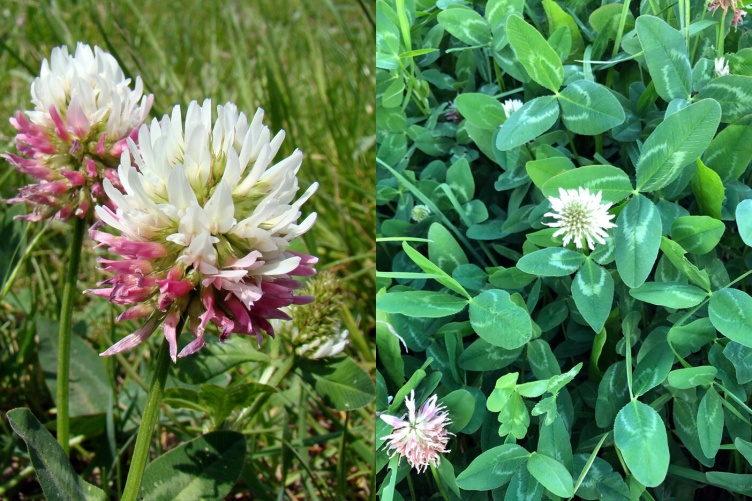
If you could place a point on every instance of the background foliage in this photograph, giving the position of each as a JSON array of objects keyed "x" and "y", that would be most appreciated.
[
  {"x": 621, "y": 373},
  {"x": 309, "y": 65}
]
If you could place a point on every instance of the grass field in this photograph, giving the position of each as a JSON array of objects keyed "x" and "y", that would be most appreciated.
[{"x": 309, "y": 65}]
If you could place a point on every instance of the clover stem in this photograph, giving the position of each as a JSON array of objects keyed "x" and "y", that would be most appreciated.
[
  {"x": 64, "y": 337},
  {"x": 149, "y": 419}
]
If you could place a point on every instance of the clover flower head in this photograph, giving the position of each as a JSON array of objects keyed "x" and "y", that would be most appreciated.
[
  {"x": 510, "y": 106},
  {"x": 419, "y": 213},
  {"x": 419, "y": 436},
  {"x": 316, "y": 331},
  {"x": 738, "y": 17},
  {"x": 205, "y": 224},
  {"x": 721, "y": 67},
  {"x": 580, "y": 215},
  {"x": 84, "y": 112},
  {"x": 325, "y": 346}
]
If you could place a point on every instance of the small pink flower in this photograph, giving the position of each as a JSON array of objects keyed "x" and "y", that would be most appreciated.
[
  {"x": 84, "y": 110},
  {"x": 421, "y": 437},
  {"x": 204, "y": 223}
]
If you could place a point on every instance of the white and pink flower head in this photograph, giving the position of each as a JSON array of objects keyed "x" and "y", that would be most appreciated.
[
  {"x": 205, "y": 224},
  {"x": 84, "y": 112},
  {"x": 422, "y": 436}
]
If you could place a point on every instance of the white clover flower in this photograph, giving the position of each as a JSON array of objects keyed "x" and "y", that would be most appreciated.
[
  {"x": 721, "y": 67},
  {"x": 322, "y": 347},
  {"x": 510, "y": 106},
  {"x": 580, "y": 216},
  {"x": 205, "y": 224},
  {"x": 422, "y": 436},
  {"x": 419, "y": 213},
  {"x": 84, "y": 112}
]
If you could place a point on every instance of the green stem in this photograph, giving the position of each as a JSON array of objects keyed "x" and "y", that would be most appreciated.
[
  {"x": 149, "y": 419},
  {"x": 64, "y": 338},
  {"x": 439, "y": 483}
]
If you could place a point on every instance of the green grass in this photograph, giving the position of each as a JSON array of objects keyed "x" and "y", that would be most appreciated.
[{"x": 309, "y": 65}]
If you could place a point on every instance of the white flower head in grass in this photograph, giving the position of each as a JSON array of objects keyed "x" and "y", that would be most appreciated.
[
  {"x": 84, "y": 112},
  {"x": 580, "y": 215},
  {"x": 205, "y": 224},
  {"x": 316, "y": 331},
  {"x": 721, "y": 67},
  {"x": 419, "y": 436},
  {"x": 510, "y": 106},
  {"x": 419, "y": 213}
]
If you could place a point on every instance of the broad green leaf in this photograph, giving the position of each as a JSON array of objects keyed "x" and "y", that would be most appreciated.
[
  {"x": 733, "y": 93},
  {"x": 675, "y": 143},
  {"x": 54, "y": 471},
  {"x": 556, "y": 383},
  {"x": 611, "y": 181},
  {"x": 666, "y": 57},
  {"x": 545, "y": 238},
  {"x": 217, "y": 358},
  {"x": 730, "y": 310},
  {"x": 443, "y": 249},
  {"x": 697, "y": 234},
  {"x": 593, "y": 294},
  {"x": 540, "y": 171},
  {"x": 691, "y": 377},
  {"x": 561, "y": 41},
  {"x": 557, "y": 18},
  {"x": 466, "y": 25},
  {"x": 481, "y": 110},
  {"x": 503, "y": 390},
  {"x": 483, "y": 356},
  {"x": 613, "y": 394},
  {"x": 708, "y": 189},
  {"x": 539, "y": 59},
  {"x": 514, "y": 418},
  {"x": 640, "y": 435},
  {"x": 741, "y": 357},
  {"x": 675, "y": 253},
  {"x": 499, "y": 321},
  {"x": 745, "y": 448},
  {"x": 387, "y": 42},
  {"x": 533, "y": 119},
  {"x": 551, "y": 474},
  {"x": 551, "y": 262},
  {"x": 685, "y": 427},
  {"x": 493, "y": 468},
  {"x": 421, "y": 303},
  {"x": 744, "y": 221},
  {"x": 669, "y": 294},
  {"x": 710, "y": 422},
  {"x": 340, "y": 382},
  {"x": 602, "y": 17},
  {"x": 394, "y": 94},
  {"x": 637, "y": 239},
  {"x": 510, "y": 278},
  {"x": 730, "y": 152},
  {"x": 735, "y": 482},
  {"x": 497, "y": 9},
  {"x": 89, "y": 390},
  {"x": 689, "y": 338},
  {"x": 589, "y": 108},
  {"x": 554, "y": 441},
  {"x": 523, "y": 486},
  {"x": 652, "y": 369},
  {"x": 429, "y": 267},
  {"x": 203, "y": 468},
  {"x": 459, "y": 177},
  {"x": 460, "y": 405}
]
